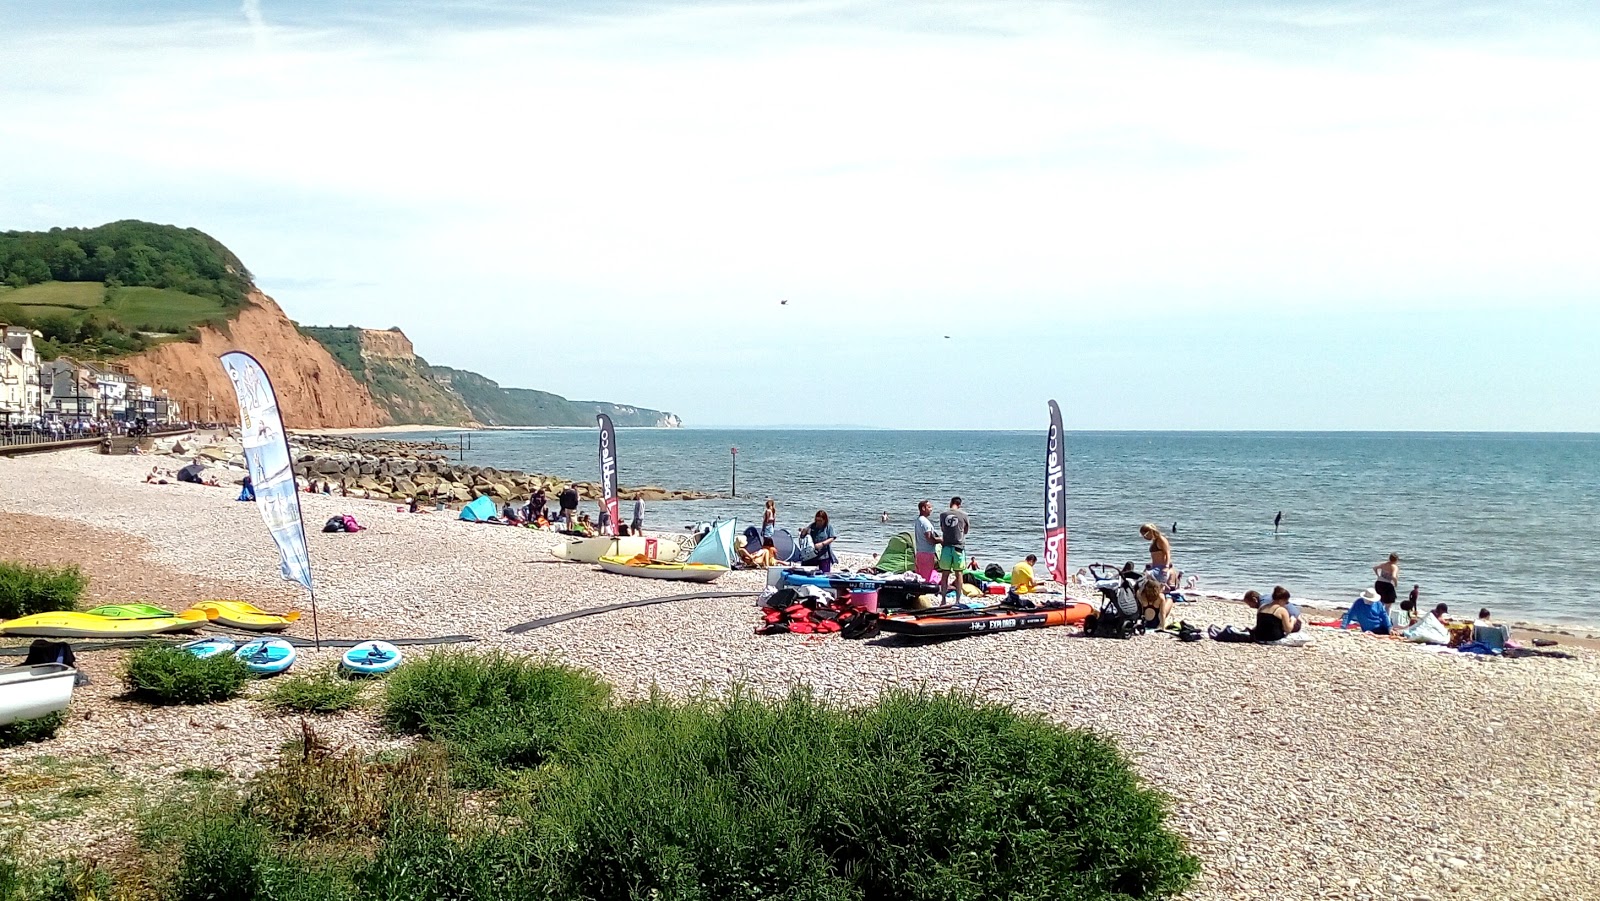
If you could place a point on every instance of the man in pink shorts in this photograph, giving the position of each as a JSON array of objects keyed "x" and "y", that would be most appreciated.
[{"x": 925, "y": 538}]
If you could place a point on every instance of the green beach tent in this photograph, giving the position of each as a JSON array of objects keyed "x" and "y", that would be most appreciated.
[{"x": 899, "y": 556}]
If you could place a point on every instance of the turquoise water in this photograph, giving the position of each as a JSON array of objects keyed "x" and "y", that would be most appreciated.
[{"x": 1500, "y": 520}]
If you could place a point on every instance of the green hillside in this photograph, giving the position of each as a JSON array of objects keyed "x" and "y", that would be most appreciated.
[
  {"x": 89, "y": 318},
  {"x": 130, "y": 252},
  {"x": 112, "y": 289},
  {"x": 493, "y": 405}
]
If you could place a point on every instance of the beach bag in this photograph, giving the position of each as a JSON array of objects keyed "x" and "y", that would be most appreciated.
[
  {"x": 994, "y": 572},
  {"x": 804, "y": 550},
  {"x": 334, "y": 524}
]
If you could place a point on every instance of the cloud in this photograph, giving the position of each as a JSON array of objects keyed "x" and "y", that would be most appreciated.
[
  {"x": 258, "y": 23},
  {"x": 1055, "y": 169}
]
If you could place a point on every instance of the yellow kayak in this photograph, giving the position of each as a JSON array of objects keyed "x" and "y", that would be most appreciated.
[
  {"x": 240, "y": 615},
  {"x": 678, "y": 572},
  {"x": 72, "y": 624}
]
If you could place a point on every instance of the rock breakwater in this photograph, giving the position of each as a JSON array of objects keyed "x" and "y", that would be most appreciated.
[{"x": 400, "y": 470}]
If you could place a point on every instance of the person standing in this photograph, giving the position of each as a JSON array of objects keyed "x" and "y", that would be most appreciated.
[
  {"x": 822, "y": 536},
  {"x": 925, "y": 541},
  {"x": 569, "y": 505},
  {"x": 1276, "y": 522},
  {"x": 769, "y": 519},
  {"x": 637, "y": 526},
  {"x": 953, "y": 528},
  {"x": 1160, "y": 552},
  {"x": 1388, "y": 580}
]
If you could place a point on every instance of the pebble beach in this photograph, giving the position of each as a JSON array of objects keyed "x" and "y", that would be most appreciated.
[{"x": 1357, "y": 767}]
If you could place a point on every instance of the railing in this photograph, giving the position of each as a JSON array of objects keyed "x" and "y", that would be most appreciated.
[{"x": 27, "y": 441}]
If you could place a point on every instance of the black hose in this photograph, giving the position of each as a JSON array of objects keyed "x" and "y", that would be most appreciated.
[{"x": 575, "y": 614}]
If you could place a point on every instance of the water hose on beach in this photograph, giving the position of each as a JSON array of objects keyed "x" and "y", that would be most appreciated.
[{"x": 575, "y": 614}]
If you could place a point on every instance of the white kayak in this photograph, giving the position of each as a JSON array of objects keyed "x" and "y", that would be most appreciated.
[
  {"x": 676, "y": 572},
  {"x": 28, "y": 692},
  {"x": 590, "y": 550}
]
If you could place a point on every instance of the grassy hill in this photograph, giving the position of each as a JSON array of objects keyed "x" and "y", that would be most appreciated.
[{"x": 92, "y": 319}]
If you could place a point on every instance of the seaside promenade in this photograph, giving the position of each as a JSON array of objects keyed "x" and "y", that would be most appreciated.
[{"x": 1354, "y": 768}]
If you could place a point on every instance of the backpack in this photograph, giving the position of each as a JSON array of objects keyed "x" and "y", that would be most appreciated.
[{"x": 994, "y": 572}]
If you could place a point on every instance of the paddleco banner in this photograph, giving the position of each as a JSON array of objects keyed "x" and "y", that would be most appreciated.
[
  {"x": 608, "y": 471},
  {"x": 1055, "y": 498}
]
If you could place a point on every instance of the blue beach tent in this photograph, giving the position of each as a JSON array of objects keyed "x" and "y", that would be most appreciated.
[
  {"x": 717, "y": 547},
  {"x": 482, "y": 509}
]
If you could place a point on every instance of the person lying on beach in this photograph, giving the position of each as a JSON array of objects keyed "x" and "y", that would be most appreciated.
[
  {"x": 1154, "y": 605},
  {"x": 416, "y": 507},
  {"x": 767, "y": 556}
]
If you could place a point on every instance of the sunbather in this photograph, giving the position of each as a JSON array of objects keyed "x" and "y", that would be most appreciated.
[
  {"x": 1154, "y": 605},
  {"x": 767, "y": 556},
  {"x": 1274, "y": 621}
]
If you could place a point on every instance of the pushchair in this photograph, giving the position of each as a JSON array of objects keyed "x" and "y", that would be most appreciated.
[{"x": 1119, "y": 615}]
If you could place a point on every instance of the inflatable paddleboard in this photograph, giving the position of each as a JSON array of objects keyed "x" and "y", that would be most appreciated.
[
  {"x": 979, "y": 622},
  {"x": 205, "y": 648},
  {"x": 371, "y": 658},
  {"x": 266, "y": 656}
]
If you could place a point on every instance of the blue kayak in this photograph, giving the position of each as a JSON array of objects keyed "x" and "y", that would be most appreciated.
[
  {"x": 371, "y": 658},
  {"x": 266, "y": 656},
  {"x": 206, "y": 648}
]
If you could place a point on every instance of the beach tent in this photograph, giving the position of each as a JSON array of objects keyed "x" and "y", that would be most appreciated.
[
  {"x": 717, "y": 547},
  {"x": 783, "y": 544},
  {"x": 899, "y": 556},
  {"x": 480, "y": 510}
]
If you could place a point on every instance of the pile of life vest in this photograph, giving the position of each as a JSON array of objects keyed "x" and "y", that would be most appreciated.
[{"x": 787, "y": 611}]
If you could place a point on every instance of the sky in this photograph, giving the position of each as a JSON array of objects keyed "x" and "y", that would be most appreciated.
[{"x": 1229, "y": 215}]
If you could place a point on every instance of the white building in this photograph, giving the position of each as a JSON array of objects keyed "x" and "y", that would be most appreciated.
[{"x": 19, "y": 376}]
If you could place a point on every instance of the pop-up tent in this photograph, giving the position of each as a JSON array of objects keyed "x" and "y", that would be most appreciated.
[
  {"x": 482, "y": 509},
  {"x": 899, "y": 556},
  {"x": 717, "y": 547}
]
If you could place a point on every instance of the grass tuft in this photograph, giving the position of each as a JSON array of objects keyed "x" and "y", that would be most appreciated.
[
  {"x": 26, "y": 590},
  {"x": 493, "y": 711},
  {"x": 167, "y": 675},
  {"x": 22, "y": 732},
  {"x": 324, "y": 691}
]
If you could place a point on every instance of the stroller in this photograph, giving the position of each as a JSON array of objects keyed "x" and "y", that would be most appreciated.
[{"x": 1119, "y": 615}]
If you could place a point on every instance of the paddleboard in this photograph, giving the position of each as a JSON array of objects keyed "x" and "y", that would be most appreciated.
[
  {"x": 206, "y": 648},
  {"x": 371, "y": 658},
  {"x": 266, "y": 656}
]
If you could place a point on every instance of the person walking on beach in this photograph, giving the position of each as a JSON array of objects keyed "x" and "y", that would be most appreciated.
[
  {"x": 1388, "y": 580},
  {"x": 953, "y": 529},
  {"x": 925, "y": 541},
  {"x": 822, "y": 536},
  {"x": 638, "y": 514},
  {"x": 769, "y": 519}
]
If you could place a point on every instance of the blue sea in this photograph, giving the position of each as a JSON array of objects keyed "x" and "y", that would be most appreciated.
[{"x": 1506, "y": 521}]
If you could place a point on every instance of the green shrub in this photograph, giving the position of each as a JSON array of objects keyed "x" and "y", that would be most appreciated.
[
  {"x": 915, "y": 797},
  {"x": 28, "y": 589},
  {"x": 493, "y": 711},
  {"x": 37, "y": 729},
  {"x": 56, "y": 880},
  {"x": 167, "y": 675},
  {"x": 225, "y": 858},
  {"x": 324, "y": 691},
  {"x": 317, "y": 792}
]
